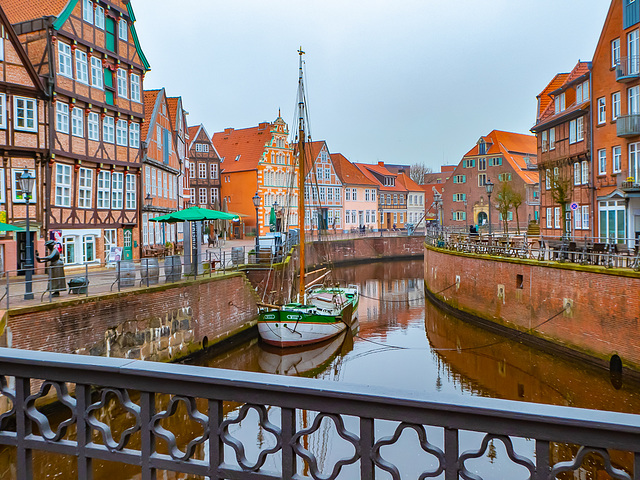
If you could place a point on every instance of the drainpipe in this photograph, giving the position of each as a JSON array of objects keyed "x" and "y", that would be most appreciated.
[{"x": 593, "y": 171}]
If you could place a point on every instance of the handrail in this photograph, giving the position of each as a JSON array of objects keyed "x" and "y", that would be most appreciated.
[{"x": 495, "y": 419}]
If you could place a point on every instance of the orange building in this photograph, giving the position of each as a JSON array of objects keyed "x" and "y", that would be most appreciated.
[
  {"x": 392, "y": 198},
  {"x": 90, "y": 55},
  {"x": 161, "y": 167},
  {"x": 564, "y": 152},
  {"x": 616, "y": 123},
  {"x": 503, "y": 158},
  {"x": 23, "y": 136},
  {"x": 258, "y": 160}
]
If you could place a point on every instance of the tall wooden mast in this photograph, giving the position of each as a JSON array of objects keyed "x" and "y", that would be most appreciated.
[{"x": 301, "y": 165}]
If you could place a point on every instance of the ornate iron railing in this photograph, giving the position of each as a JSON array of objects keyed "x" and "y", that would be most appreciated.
[{"x": 356, "y": 413}]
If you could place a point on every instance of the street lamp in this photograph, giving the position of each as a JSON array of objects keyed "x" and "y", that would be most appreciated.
[
  {"x": 437, "y": 199},
  {"x": 26, "y": 185},
  {"x": 148, "y": 200},
  {"x": 489, "y": 186},
  {"x": 256, "y": 203},
  {"x": 275, "y": 212}
]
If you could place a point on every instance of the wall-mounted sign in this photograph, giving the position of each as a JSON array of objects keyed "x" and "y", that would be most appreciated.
[{"x": 574, "y": 206}]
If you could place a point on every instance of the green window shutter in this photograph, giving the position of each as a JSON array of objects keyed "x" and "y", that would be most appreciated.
[
  {"x": 110, "y": 24},
  {"x": 108, "y": 86},
  {"x": 464, "y": 179}
]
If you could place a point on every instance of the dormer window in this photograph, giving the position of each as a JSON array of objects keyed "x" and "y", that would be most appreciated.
[
  {"x": 559, "y": 103},
  {"x": 237, "y": 158},
  {"x": 482, "y": 147}
]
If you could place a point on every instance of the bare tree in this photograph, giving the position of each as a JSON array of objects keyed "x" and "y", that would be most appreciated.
[
  {"x": 516, "y": 201},
  {"x": 504, "y": 203},
  {"x": 418, "y": 171},
  {"x": 561, "y": 190}
]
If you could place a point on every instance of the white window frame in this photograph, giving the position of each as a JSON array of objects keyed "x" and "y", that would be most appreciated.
[
  {"x": 585, "y": 217},
  {"x": 3, "y": 110},
  {"x": 576, "y": 173},
  {"x": 214, "y": 195},
  {"x": 63, "y": 185},
  {"x": 202, "y": 170},
  {"x": 87, "y": 11},
  {"x": 633, "y": 98},
  {"x": 122, "y": 30},
  {"x": 153, "y": 181},
  {"x": 134, "y": 80},
  {"x": 97, "y": 73},
  {"x": 86, "y": 241},
  {"x": 615, "y": 52},
  {"x": 17, "y": 191},
  {"x": 82, "y": 67},
  {"x": 85, "y": 187},
  {"x": 77, "y": 122},
  {"x": 585, "y": 172},
  {"x": 557, "y": 221},
  {"x": 29, "y": 117},
  {"x": 117, "y": 187},
  {"x": 549, "y": 217},
  {"x": 616, "y": 159},
  {"x": 93, "y": 126},
  {"x": 213, "y": 171},
  {"x": 99, "y": 17},
  {"x": 122, "y": 132},
  {"x": 602, "y": 110},
  {"x": 602, "y": 161},
  {"x": 577, "y": 219},
  {"x": 131, "y": 192},
  {"x": 108, "y": 130},
  {"x": 65, "y": 67},
  {"x": 134, "y": 135},
  {"x": 202, "y": 196},
  {"x": 122, "y": 83},
  {"x": 62, "y": 117},
  {"x": 103, "y": 193},
  {"x": 552, "y": 138},
  {"x": 615, "y": 105}
]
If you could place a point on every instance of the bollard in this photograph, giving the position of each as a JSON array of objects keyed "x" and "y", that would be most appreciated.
[{"x": 118, "y": 275}]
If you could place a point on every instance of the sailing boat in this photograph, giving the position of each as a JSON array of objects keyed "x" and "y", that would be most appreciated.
[{"x": 322, "y": 312}]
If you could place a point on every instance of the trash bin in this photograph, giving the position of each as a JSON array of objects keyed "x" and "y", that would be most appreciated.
[
  {"x": 78, "y": 285},
  {"x": 152, "y": 267},
  {"x": 237, "y": 255}
]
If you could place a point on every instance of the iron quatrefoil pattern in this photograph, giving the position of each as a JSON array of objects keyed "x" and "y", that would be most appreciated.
[
  {"x": 238, "y": 447},
  {"x": 11, "y": 395},
  {"x": 508, "y": 445},
  {"x": 310, "y": 457},
  {"x": 41, "y": 420},
  {"x": 570, "y": 466},
  {"x": 170, "y": 438},
  {"x": 103, "y": 428},
  {"x": 424, "y": 444}
]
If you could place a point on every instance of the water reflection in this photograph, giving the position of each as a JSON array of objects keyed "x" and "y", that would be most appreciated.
[{"x": 401, "y": 343}]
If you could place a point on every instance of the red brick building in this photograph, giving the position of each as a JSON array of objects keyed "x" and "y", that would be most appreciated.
[
  {"x": 23, "y": 136},
  {"x": 161, "y": 171},
  {"x": 90, "y": 55},
  {"x": 616, "y": 123},
  {"x": 433, "y": 183},
  {"x": 563, "y": 131},
  {"x": 503, "y": 158}
]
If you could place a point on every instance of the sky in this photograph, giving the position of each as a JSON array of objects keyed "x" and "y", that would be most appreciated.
[{"x": 404, "y": 82}]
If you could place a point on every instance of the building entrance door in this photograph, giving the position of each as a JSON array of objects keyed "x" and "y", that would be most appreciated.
[
  {"x": 482, "y": 218},
  {"x": 127, "y": 251},
  {"x": 22, "y": 251},
  {"x": 388, "y": 219}
]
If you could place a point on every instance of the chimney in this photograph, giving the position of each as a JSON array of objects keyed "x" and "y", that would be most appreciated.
[
  {"x": 263, "y": 126},
  {"x": 381, "y": 164},
  {"x": 227, "y": 131}
]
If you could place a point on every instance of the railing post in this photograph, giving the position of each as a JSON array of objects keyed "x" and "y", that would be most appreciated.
[
  {"x": 147, "y": 263},
  {"x": 8, "y": 290},
  {"x": 24, "y": 465},
  {"x": 85, "y": 464},
  {"x": 86, "y": 279},
  {"x": 216, "y": 447},
  {"x": 288, "y": 426},
  {"x": 119, "y": 275},
  {"x": 451, "y": 450},
  {"x": 542, "y": 460},
  {"x": 367, "y": 438},
  {"x": 147, "y": 444}
]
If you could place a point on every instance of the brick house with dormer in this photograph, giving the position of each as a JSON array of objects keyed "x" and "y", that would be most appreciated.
[
  {"x": 23, "y": 145},
  {"x": 204, "y": 169},
  {"x": 89, "y": 53},
  {"x": 323, "y": 190}
]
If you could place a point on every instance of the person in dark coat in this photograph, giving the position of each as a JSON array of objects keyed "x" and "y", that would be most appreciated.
[{"x": 55, "y": 269}]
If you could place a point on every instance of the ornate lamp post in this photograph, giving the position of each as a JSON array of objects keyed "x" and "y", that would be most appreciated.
[
  {"x": 256, "y": 203},
  {"x": 437, "y": 199},
  {"x": 26, "y": 185},
  {"x": 489, "y": 186}
]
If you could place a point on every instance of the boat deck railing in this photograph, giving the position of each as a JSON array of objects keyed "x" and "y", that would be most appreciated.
[{"x": 224, "y": 406}]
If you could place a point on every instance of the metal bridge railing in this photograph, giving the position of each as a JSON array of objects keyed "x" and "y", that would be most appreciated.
[{"x": 85, "y": 386}]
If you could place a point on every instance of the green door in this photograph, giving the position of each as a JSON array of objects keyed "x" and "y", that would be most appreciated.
[{"x": 127, "y": 252}]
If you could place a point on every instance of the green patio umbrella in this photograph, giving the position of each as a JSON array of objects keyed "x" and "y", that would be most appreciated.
[
  {"x": 5, "y": 227},
  {"x": 194, "y": 214}
]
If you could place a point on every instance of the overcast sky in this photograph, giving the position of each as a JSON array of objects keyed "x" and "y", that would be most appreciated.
[{"x": 404, "y": 81}]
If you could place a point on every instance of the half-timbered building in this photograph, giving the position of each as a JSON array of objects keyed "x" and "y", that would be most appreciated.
[
  {"x": 204, "y": 169},
  {"x": 322, "y": 191},
  {"x": 89, "y": 53},
  {"x": 161, "y": 168},
  {"x": 23, "y": 145}
]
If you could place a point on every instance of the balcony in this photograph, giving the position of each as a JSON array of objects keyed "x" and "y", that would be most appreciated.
[
  {"x": 628, "y": 68},
  {"x": 630, "y": 182},
  {"x": 628, "y": 125}
]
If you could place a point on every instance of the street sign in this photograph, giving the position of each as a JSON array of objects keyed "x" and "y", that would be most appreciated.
[{"x": 574, "y": 206}]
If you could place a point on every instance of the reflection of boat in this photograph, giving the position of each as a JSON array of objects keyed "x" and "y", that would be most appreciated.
[
  {"x": 325, "y": 311},
  {"x": 307, "y": 361}
]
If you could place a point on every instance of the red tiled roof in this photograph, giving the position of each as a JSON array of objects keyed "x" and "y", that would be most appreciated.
[
  {"x": 20, "y": 10},
  {"x": 348, "y": 173},
  {"x": 549, "y": 112},
  {"x": 368, "y": 170},
  {"x": 173, "y": 103},
  {"x": 150, "y": 97},
  {"x": 408, "y": 183},
  {"x": 313, "y": 149},
  {"x": 579, "y": 70},
  {"x": 545, "y": 99},
  {"x": 248, "y": 143}
]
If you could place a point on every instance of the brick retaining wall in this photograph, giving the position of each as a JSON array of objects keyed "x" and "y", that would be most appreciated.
[{"x": 604, "y": 304}]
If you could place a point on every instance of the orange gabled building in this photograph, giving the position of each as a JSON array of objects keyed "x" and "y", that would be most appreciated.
[
  {"x": 90, "y": 55},
  {"x": 563, "y": 130},
  {"x": 322, "y": 191},
  {"x": 392, "y": 197},
  {"x": 501, "y": 157},
  {"x": 161, "y": 167},
  {"x": 360, "y": 195},
  {"x": 258, "y": 160},
  {"x": 615, "y": 77},
  {"x": 24, "y": 138}
]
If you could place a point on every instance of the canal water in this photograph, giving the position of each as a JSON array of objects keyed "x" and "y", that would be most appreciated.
[{"x": 406, "y": 343}]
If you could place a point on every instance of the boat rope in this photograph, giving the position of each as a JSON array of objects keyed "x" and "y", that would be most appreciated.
[{"x": 519, "y": 334}]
